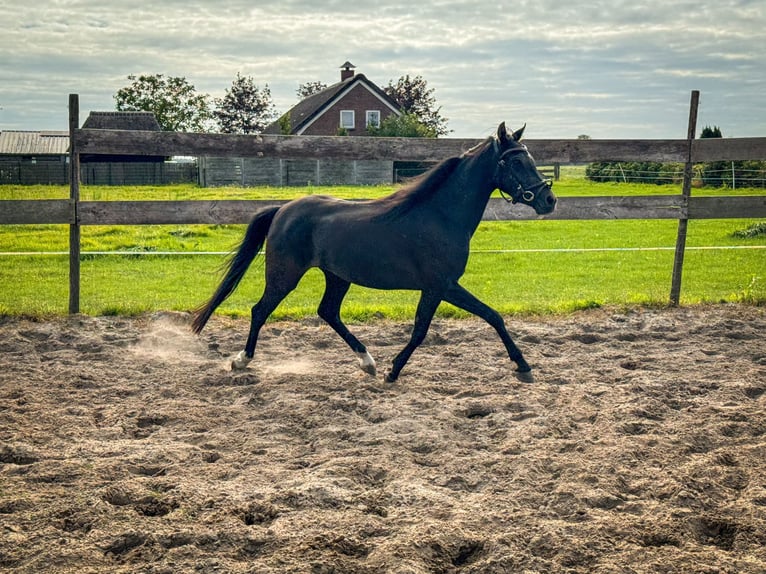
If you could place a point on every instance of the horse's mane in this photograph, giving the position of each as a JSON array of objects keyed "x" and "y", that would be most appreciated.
[{"x": 422, "y": 187}]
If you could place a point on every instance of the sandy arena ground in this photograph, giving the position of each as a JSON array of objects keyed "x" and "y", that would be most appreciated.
[{"x": 126, "y": 445}]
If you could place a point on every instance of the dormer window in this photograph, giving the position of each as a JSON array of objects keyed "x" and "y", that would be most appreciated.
[
  {"x": 373, "y": 118},
  {"x": 347, "y": 119}
]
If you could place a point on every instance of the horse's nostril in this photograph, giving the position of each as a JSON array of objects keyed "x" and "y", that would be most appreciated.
[{"x": 550, "y": 200}]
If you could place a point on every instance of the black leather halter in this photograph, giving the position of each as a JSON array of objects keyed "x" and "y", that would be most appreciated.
[{"x": 520, "y": 193}]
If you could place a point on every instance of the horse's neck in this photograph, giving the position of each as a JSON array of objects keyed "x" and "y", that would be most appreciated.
[{"x": 469, "y": 192}]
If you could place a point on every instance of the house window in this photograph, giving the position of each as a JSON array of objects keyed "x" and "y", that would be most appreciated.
[
  {"x": 373, "y": 118},
  {"x": 347, "y": 119}
]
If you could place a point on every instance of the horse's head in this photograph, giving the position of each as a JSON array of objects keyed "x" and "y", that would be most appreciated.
[{"x": 517, "y": 176}]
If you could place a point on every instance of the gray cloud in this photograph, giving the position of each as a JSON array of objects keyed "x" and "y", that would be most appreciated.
[{"x": 609, "y": 69}]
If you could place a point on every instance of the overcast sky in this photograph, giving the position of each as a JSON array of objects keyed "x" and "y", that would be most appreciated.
[{"x": 617, "y": 69}]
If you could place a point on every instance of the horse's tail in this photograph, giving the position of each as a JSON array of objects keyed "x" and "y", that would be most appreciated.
[{"x": 238, "y": 263}]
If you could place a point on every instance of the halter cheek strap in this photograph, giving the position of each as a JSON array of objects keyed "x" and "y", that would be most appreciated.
[{"x": 525, "y": 194}]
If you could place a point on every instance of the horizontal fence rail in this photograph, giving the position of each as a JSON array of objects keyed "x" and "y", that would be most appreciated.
[
  {"x": 683, "y": 207},
  {"x": 127, "y": 142},
  {"x": 219, "y": 212}
]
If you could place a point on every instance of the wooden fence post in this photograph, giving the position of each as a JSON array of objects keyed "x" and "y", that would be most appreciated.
[
  {"x": 74, "y": 199},
  {"x": 683, "y": 222}
]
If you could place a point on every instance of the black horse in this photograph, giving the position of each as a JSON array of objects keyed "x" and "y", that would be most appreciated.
[{"x": 416, "y": 238}]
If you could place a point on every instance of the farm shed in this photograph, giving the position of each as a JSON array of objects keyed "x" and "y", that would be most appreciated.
[
  {"x": 130, "y": 169},
  {"x": 34, "y": 157},
  {"x": 42, "y": 157},
  {"x": 144, "y": 121},
  {"x": 347, "y": 107}
]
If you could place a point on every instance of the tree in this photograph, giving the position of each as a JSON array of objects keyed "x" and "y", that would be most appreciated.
[
  {"x": 713, "y": 173},
  {"x": 284, "y": 124},
  {"x": 416, "y": 98},
  {"x": 708, "y": 132},
  {"x": 245, "y": 108},
  {"x": 309, "y": 89},
  {"x": 405, "y": 126},
  {"x": 173, "y": 101}
]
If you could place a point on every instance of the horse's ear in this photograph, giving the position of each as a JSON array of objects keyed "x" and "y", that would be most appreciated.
[
  {"x": 502, "y": 133},
  {"x": 518, "y": 133}
]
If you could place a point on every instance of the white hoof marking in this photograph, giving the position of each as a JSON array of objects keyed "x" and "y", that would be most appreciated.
[
  {"x": 367, "y": 363},
  {"x": 240, "y": 361}
]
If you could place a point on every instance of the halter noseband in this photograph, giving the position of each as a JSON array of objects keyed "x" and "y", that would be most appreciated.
[{"x": 526, "y": 195}]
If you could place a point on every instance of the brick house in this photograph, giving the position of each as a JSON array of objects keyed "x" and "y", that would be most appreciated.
[{"x": 346, "y": 108}]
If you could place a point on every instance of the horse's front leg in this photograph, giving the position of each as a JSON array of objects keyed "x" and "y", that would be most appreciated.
[
  {"x": 425, "y": 313},
  {"x": 460, "y": 297},
  {"x": 329, "y": 310}
]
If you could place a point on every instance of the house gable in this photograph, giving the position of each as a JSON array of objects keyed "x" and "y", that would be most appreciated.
[
  {"x": 320, "y": 113},
  {"x": 359, "y": 97}
]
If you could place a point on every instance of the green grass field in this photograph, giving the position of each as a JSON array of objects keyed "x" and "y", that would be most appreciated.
[{"x": 523, "y": 281}]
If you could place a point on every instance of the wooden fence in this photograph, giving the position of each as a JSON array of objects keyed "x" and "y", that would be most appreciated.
[{"x": 681, "y": 207}]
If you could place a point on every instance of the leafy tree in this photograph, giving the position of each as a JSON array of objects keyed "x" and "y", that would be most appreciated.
[
  {"x": 309, "y": 89},
  {"x": 245, "y": 108},
  {"x": 173, "y": 101},
  {"x": 284, "y": 124},
  {"x": 407, "y": 126},
  {"x": 416, "y": 98}
]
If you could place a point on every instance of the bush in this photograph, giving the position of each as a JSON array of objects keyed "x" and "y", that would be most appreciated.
[
  {"x": 406, "y": 125},
  {"x": 635, "y": 172},
  {"x": 733, "y": 174},
  {"x": 713, "y": 174},
  {"x": 755, "y": 230}
]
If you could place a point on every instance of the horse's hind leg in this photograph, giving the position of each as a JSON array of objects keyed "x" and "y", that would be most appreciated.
[
  {"x": 278, "y": 286},
  {"x": 423, "y": 316},
  {"x": 460, "y": 297},
  {"x": 329, "y": 310}
]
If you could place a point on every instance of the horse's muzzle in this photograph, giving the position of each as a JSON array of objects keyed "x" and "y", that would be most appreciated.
[{"x": 545, "y": 202}]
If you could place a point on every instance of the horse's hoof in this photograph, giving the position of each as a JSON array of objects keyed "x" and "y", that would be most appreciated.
[
  {"x": 370, "y": 370},
  {"x": 524, "y": 376},
  {"x": 367, "y": 363},
  {"x": 388, "y": 378},
  {"x": 240, "y": 362}
]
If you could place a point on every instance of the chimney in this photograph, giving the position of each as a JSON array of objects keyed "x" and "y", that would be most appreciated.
[{"x": 346, "y": 71}]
